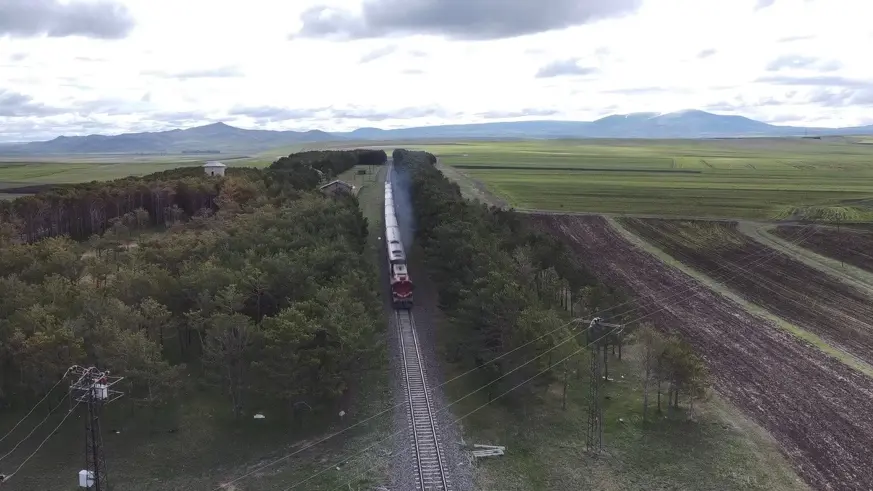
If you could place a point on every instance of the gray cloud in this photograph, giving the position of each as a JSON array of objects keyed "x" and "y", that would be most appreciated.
[
  {"x": 800, "y": 62},
  {"x": 413, "y": 71},
  {"x": 218, "y": 72},
  {"x": 784, "y": 118},
  {"x": 417, "y": 53},
  {"x": 354, "y": 112},
  {"x": 707, "y": 53},
  {"x": 791, "y": 61},
  {"x": 17, "y": 105},
  {"x": 378, "y": 53},
  {"x": 517, "y": 114},
  {"x": 564, "y": 67},
  {"x": 457, "y": 19},
  {"x": 741, "y": 104},
  {"x": 178, "y": 118},
  {"x": 105, "y": 106},
  {"x": 842, "y": 97},
  {"x": 18, "y": 57},
  {"x": 274, "y": 113},
  {"x": 764, "y": 4},
  {"x": 791, "y": 39},
  {"x": 648, "y": 90},
  {"x": 820, "y": 81},
  {"x": 147, "y": 97},
  {"x": 102, "y": 19}
]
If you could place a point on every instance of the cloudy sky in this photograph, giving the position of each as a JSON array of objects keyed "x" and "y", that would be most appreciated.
[{"x": 112, "y": 66}]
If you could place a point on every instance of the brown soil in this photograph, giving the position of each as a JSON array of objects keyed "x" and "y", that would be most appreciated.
[
  {"x": 816, "y": 407},
  {"x": 816, "y": 302},
  {"x": 851, "y": 246}
]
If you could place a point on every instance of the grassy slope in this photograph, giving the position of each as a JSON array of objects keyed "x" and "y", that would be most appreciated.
[
  {"x": 206, "y": 448},
  {"x": 751, "y": 178}
]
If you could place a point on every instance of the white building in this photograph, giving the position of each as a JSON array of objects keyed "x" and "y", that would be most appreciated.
[{"x": 214, "y": 168}]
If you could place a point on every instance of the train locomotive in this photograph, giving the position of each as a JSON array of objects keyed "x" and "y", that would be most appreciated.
[{"x": 401, "y": 284}]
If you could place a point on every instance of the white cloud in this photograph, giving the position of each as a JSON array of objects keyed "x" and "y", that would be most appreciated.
[{"x": 201, "y": 61}]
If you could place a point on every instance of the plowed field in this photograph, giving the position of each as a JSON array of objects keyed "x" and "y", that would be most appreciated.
[
  {"x": 854, "y": 247},
  {"x": 816, "y": 407},
  {"x": 814, "y": 301}
]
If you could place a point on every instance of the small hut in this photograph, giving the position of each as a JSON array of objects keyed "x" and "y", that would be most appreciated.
[{"x": 214, "y": 168}]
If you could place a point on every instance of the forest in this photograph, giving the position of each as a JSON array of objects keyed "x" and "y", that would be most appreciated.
[
  {"x": 82, "y": 210},
  {"x": 253, "y": 286},
  {"x": 511, "y": 292}
]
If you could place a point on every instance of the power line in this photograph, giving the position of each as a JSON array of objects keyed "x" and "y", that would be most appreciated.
[
  {"x": 663, "y": 307},
  {"x": 64, "y": 376},
  {"x": 285, "y": 457},
  {"x": 689, "y": 284},
  {"x": 41, "y": 444},
  {"x": 33, "y": 430},
  {"x": 452, "y": 404}
]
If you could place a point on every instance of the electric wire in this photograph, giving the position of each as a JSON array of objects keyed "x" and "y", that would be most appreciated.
[
  {"x": 43, "y": 442},
  {"x": 441, "y": 410},
  {"x": 698, "y": 289},
  {"x": 7, "y": 454},
  {"x": 690, "y": 282},
  {"x": 63, "y": 377}
]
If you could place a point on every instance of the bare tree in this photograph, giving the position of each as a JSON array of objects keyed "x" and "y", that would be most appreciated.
[
  {"x": 653, "y": 344},
  {"x": 227, "y": 352}
]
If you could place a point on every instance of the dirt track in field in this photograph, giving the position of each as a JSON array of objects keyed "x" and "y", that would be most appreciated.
[
  {"x": 816, "y": 407},
  {"x": 816, "y": 302},
  {"x": 855, "y": 247}
]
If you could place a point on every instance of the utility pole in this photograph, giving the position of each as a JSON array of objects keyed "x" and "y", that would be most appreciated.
[
  {"x": 597, "y": 334},
  {"x": 93, "y": 387}
]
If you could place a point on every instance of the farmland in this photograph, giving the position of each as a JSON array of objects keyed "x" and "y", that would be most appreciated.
[
  {"x": 28, "y": 171},
  {"x": 809, "y": 299},
  {"x": 815, "y": 406},
  {"x": 745, "y": 178},
  {"x": 852, "y": 246}
]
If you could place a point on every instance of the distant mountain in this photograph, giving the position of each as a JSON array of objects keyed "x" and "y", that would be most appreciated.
[
  {"x": 229, "y": 139},
  {"x": 218, "y": 136}
]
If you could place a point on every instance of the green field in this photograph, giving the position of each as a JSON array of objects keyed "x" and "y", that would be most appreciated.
[
  {"x": 761, "y": 178},
  {"x": 24, "y": 171},
  {"x": 743, "y": 178}
]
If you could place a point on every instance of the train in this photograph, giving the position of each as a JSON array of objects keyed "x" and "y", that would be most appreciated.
[{"x": 398, "y": 272}]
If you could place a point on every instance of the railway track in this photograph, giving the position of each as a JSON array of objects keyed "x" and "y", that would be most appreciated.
[{"x": 429, "y": 460}]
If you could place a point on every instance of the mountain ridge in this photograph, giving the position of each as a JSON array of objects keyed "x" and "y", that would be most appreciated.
[{"x": 691, "y": 124}]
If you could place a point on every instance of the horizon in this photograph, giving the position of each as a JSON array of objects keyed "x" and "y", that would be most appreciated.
[
  {"x": 126, "y": 66},
  {"x": 374, "y": 127}
]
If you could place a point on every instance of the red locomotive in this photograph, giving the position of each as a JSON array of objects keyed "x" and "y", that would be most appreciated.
[{"x": 401, "y": 285}]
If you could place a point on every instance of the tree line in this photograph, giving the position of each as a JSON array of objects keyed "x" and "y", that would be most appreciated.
[
  {"x": 510, "y": 293},
  {"x": 263, "y": 291},
  {"x": 500, "y": 283},
  {"x": 81, "y": 210}
]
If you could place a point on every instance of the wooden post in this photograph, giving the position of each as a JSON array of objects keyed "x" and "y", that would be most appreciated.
[{"x": 564, "y": 397}]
